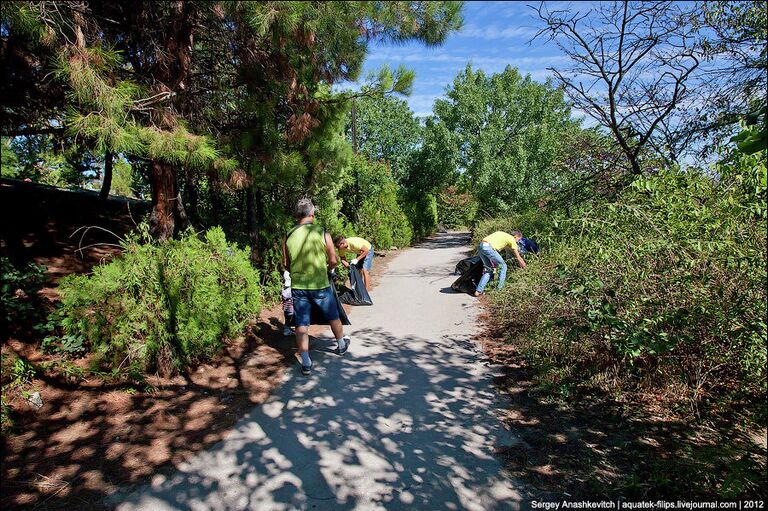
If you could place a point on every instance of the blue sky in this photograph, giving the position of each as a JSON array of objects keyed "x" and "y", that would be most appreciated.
[{"x": 495, "y": 34}]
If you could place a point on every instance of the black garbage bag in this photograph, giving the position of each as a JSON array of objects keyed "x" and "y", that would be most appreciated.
[
  {"x": 468, "y": 281},
  {"x": 464, "y": 264},
  {"x": 316, "y": 316},
  {"x": 357, "y": 295}
]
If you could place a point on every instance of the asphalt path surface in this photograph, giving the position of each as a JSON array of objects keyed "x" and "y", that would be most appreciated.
[{"x": 405, "y": 420}]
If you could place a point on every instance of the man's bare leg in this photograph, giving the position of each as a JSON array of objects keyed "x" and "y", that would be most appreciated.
[
  {"x": 366, "y": 277},
  {"x": 302, "y": 338},
  {"x": 302, "y": 345},
  {"x": 337, "y": 328},
  {"x": 338, "y": 333}
]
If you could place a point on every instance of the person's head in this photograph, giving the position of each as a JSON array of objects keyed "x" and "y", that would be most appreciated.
[
  {"x": 304, "y": 209},
  {"x": 517, "y": 234},
  {"x": 340, "y": 242}
]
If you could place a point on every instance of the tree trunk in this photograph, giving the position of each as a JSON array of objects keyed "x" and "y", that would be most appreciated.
[
  {"x": 255, "y": 221},
  {"x": 162, "y": 221},
  {"x": 170, "y": 72},
  {"x": 106, "y": 183}
]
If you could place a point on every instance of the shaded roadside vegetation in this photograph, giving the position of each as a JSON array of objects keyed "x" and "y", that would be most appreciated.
[
  {"x": 636, "y": 341},
  {"x": 591, "y": 445},
  {"x": 93, "y": 435},
  {"x": 663, "y": 289}
]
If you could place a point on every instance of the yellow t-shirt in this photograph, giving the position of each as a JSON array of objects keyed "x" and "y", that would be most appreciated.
[
  {"x": 500, "y": 240},
  {"x": 355, "y": 245}
]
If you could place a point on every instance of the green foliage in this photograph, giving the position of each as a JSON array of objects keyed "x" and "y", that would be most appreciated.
[
  {"x": 663, "y": 289},
  {"x": 421, "y": 211},
  {"x": 19, "y": 297},
  {"x": 505, "y": 132},
  {"x": 370, "y": 202},
  {"x": 6, "y": 422},
  {"x": 22, "y": 371},
  {"x": 455, "y": 210},
  {"x": 46, "y": 159},
  {"x": 753, "y": 137},
  {"x": 386, "y": 131},
  {"x": 122, "y": 179},
  {"x": 435, "y": 164},
  {"x": 10, "y": 162},
  {"x": 162, "y": 306}
]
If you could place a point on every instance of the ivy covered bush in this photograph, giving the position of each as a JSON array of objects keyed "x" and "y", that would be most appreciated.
[{"x": 163, "y": 306}]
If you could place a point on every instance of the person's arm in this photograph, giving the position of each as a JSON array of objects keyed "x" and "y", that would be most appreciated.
[
  {"x": 286, "y": 260},
  {"x": 342, "y": 255},
  {"x": 519, "y": 258},
  {"x": 331, "y": 251},
  {"x": 363, "y": 253}
]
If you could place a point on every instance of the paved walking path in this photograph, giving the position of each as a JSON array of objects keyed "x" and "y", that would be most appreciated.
[{"x": 405, "y": 420}]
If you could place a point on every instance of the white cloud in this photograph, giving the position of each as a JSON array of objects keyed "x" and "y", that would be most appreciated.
[
  {"x": 395, "y": 58},
  {"x": 495, "y": 32}
]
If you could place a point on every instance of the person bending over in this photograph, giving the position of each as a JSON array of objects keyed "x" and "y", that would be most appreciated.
[
  {"x": 525, "y": 245},
  {"x": 363, "y": 251},
  {"x": 489, "y": 250}
]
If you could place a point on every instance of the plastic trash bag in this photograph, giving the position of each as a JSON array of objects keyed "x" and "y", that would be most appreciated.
[
  {"x": 468, "y": 281},
  {"x": 357, "y": 295},
  {"x": 464, "y": 264}
]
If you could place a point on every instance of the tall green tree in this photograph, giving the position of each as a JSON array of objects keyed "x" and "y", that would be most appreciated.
[
  {"x": 386, "y": 130},
  {"x": 504, "y": 132}
]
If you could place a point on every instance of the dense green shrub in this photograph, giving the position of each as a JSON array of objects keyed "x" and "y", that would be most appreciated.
[
  {"x": 19, "y": 294},
  {"x": 663, "y": 289},
  {"x": 163, "y": 306},
  {"x": 370, "y": 201},
  {"x": 455, "y": 210},
  {"x": 421, "y": 211}
]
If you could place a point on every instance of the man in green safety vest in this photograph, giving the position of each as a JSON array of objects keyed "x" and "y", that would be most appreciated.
[{"x": 309, "y": 254}]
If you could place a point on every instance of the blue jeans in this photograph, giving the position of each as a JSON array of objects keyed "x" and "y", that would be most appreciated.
[
  {"x": 491, "y": 260},
  {"x": 323, "y": 299}
]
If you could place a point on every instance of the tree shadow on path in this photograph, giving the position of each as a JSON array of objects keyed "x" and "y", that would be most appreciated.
[{"x": 405, "y": 427}]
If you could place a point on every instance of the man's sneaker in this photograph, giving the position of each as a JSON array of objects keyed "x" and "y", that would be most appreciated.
[
  {"x": 339, "y": 350},
  {"x": 288, "y": 331},
  {"x": 305, "y": 370}
]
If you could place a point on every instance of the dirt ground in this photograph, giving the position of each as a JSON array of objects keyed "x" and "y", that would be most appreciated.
[{"x": 93, "y": 436}]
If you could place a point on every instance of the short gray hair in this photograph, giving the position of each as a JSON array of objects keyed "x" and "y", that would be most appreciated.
[{"x": 304, "y": 208}]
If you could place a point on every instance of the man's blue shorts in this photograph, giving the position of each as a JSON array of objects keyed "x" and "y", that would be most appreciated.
[
  {"x": 368, "y": 261},
  {"x": 303, "y": 300}
]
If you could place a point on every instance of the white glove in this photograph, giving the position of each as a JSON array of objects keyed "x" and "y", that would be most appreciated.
[
  {"x": 287, "y": 278},
  {"x": 354, "y": 261}
]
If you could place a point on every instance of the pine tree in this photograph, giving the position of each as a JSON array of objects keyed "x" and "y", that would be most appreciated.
[{"x": 228, "y": 89}]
